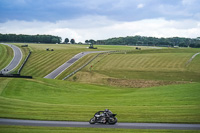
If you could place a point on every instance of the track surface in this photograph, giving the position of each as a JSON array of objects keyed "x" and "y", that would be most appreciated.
[
  {"x": 67, "y": 64},
  {"x": 15, "y": 61},
  {"x": 86, "y": 124}
]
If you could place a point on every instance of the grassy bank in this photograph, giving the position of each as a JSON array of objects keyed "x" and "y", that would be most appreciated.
[
  {"x": 76, "y": 65},
  {"x": 163, "y": 64},
  {"x": 29, "y": 129},
  {"x": 42, "y": 62},
  {"x": 110, "y": 83},
  {"x": 6, "y": 54},
  {"x": 58, "y": 100}
]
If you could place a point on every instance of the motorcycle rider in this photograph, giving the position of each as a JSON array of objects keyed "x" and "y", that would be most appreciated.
[{"x": 107, "y": 112}]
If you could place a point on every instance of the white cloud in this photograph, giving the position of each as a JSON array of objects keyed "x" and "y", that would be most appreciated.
[
  {"x": 99, "y": 27},
  {"x": 140, "y": 6},
  {"x": 188, "y": 2}
]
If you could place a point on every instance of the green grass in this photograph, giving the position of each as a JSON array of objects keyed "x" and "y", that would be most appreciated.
[
  {"x": 164, "y": 64},
  {"x": 117, "y": 47},
  {"x": 29, "y": 129},
  {"x": 56, "y": 47},
  {"x": 76, "y": 65},
  {"x": 6, "y": 54},
  {"x": 58, "y": 100},
  {"x": 42, "y": 62},
  {"x": 144, "y": 62},
  {"x": 194, "y": 64},
  {"x": 46, "y": 99},
  {"x": 138, "y": 64},
  {"x": 36, "y": 47}
]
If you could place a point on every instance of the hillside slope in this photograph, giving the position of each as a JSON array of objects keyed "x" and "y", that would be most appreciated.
[
  {"x": 146, "y": 65},
  {"x": 48, "y": 99},
  {"x": 6, "y": 54}
]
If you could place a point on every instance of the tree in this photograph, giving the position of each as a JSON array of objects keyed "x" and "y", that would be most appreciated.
[
  {"x": 72, "y": 41},
  {"x": 54, "y": 40},
  {"x": 66, "y": 40},
  {"x": 92, "y": 41},
  {"x": 86, "y": 41}
]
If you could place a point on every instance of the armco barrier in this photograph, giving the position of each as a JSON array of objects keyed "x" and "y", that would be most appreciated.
[
  {"x": 14, "y": 76},
  {"x": 24, "y": 63},
  {"x": 123, "y": 51}
]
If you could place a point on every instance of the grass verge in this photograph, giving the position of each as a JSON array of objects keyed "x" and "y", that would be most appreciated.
[
  {"x": 6, "y": 54},
  {"x": 47, "y": 99},
  {"x": 163, "y": 65},
  {"x": 30, "y": 129}
]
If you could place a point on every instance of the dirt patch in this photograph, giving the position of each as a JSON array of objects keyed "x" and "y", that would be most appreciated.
[
  {"x": 96, "y": 78},
  {"x": 89, "y": 77},
  {"x": 140, "y": 83}
]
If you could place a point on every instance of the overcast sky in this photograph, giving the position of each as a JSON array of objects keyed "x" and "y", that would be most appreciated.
[{"x": 101, "y": 19}]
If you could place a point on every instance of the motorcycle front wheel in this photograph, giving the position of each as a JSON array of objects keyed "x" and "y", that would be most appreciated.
[
  {"x": 112, "y": 120},
  {"x": 92, "y": 121}
]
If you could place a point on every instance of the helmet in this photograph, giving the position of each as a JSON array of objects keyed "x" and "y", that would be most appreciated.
[{"x": 106, "y": 110}]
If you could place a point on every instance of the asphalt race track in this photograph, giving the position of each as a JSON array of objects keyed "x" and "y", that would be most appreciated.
[
  {"x": 67, "y": 64},
  {"x": 15, "y": 61},
  {"x": 86, "y": 124}
]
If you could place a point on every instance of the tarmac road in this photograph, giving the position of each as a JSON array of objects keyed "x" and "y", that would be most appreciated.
[
  {"x": 86, "y": 124},
  {"x": 15, "y": 61},
  {"x": 67, "y": 64}
]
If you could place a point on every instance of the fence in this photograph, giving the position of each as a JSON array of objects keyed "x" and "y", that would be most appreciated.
[
  {"x": 24, "y": 63},
  {"x": 14, "y": 76}
]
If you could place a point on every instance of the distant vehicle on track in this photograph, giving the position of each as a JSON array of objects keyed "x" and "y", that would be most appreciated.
[
  {"x": 47, "y": 49},
  {"x": 25, "y": 45}
]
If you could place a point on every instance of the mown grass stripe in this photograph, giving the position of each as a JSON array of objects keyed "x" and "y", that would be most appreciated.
[
  {"x": 42, "y": 63},
  {"x": 160, "y": 61},
  {"x": 6, "y": 54}
]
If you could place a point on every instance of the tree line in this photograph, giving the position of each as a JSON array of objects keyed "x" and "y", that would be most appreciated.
[
  {"x": 129, "y": 40},
  {"x": 149, "y": 41},
  {"x": 30, "y": 38}
]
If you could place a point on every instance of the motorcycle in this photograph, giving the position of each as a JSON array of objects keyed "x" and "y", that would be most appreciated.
[{"x": 103, "y": 118}]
